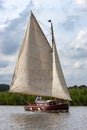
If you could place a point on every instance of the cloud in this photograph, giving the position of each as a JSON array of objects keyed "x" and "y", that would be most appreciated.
[
  {"x": 36, "y": 4},
  {"x": 12, "y": 35},
  {"x": 78, "y": 47},
  {"x": 11, "y": 10},
  {"x": 78, "y": 65},
  {"x": 75, "y": 71},
  {"x": 9, "y": 43},
  {"x": 10, "y": 38},
  {"x": 6, "y": 73},
  {"x": 79, "y": 69},
  {"x": 70, "y": 23},
  {"x": 82, "y": 3},
  {"x": 81, "y": 40},
  {"x": 6, "y": 78},
  {"x": 73, "y": 56},
  {"x": 3, "y": 63},
  {"x": 1, "y": 5}
]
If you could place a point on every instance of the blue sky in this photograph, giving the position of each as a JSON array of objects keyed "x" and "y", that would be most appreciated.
[{"x": 69, "y": 18}]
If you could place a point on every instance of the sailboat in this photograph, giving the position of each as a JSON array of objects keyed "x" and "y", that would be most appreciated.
[{"x": 38, "y": 71}]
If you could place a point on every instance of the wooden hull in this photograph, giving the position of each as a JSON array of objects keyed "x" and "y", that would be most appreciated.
[{"x": 48, "y": 107}]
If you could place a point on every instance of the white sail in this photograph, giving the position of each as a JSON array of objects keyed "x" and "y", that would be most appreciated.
[
  {"x": 33, "y": 72},
  {"x": 37, "y": 68},
  {"x": 59, "y": 88}
]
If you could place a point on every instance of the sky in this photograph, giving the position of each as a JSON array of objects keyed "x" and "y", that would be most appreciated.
[{"x": 69, "y": 19}]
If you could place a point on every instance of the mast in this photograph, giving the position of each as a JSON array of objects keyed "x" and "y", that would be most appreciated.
[{"x": 52, "y": 33}]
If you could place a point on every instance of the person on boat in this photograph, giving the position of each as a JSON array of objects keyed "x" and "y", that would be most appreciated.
[{"x": 38, "y": 99}]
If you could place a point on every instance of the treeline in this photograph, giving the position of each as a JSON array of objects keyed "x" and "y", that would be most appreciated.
[
  {"x": 7, "y": 98},
  {"x": 4, "y": 87},
  {"x": 77, "y": 93}
]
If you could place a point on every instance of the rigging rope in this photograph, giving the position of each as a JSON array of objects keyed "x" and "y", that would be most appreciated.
[{"x": 45, "y": 26}]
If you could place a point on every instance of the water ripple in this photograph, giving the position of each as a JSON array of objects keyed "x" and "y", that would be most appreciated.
[{"x": 15, "y": 118}]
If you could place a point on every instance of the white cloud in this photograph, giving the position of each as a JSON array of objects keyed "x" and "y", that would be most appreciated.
[
  {"x": 2, "y": 27},
  {"x": 36, "y": 4},
  {"x": 77, "y": 65},
  {"x": 80, "y": 67},
  {"x": 81, "y": 40},
  {"x": 82, "y": 3},
  {"x": 7, "y": 65},
  {"x": 6, "y": 70},
  {"x": 76, "y": 62},
  {"x": 11, "y": 10}
]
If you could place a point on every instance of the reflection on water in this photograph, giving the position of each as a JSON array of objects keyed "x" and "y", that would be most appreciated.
[
  {"x": 15, "y": 118},
  {"x": 34, "y": 121}
]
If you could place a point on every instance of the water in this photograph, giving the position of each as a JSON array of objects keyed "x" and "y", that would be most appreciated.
[{"x": 15, "y": 118}]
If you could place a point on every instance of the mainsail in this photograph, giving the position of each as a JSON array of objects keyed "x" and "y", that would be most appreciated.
[{"x": 38, "y": 70}]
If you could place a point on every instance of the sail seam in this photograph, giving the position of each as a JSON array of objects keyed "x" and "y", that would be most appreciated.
[
  {"x": 41, "y": 61},
  {"x": 33, "y": 71},
  {"x": 50, "y": 50}
]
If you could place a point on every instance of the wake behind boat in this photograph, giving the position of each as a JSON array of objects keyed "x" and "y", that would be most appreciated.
[{"x": 38, "y": 70}]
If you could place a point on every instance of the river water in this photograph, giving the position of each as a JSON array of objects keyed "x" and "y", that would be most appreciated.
[{"x": 16, "y": 118}]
